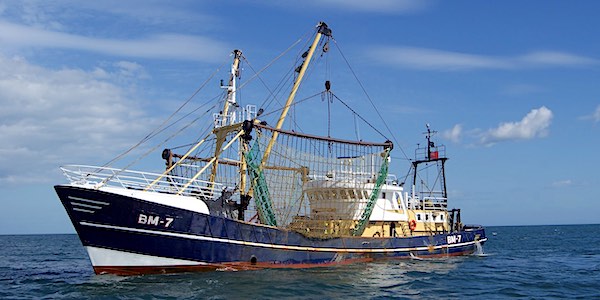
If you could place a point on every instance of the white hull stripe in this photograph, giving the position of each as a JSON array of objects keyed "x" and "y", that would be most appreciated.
[
  {"x": 85, "y": 205},
  {"x": 107, "y": 257},
  {"x": 274, "y": 246},
  {"x": 83, "y": 210},
  {"x": 88, "y": 200}
]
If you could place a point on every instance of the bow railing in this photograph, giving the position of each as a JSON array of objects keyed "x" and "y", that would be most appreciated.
[{"x": 136, "y": 180}]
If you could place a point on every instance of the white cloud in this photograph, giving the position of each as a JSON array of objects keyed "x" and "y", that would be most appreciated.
[
  {"x": 534, "y": 124},
  {"x": 433, "y": 59},
  {"x": 379, "y": 6},
  {"x": 129, "y": 68},
  {"x": 553, "y": 58},
  {"x": 562, "y": 183},
  {"x": 430, "y": 59},
  {"x": 153, "y": 12},
  {"x": 453, "y": 134},
  {"x": 52, "y": 117},
  {"x": 372, "y": 6},
  {"x": 37, "y": 14},
  {"x": 58, "y": 13},
  {"x": 596, "y": 114},
  {"x": 158, "y": 46}
]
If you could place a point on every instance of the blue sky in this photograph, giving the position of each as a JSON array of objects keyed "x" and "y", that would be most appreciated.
[{"x": 511, "y": 86}]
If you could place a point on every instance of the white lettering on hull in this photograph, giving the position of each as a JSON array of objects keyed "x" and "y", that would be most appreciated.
[{"x": 154, "y": 220}]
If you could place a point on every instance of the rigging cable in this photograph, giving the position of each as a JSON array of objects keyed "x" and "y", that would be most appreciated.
[
  {"x": 257, "y": 74},
  {"x": 156, "y": 130},
  {"x": 358, "y": 115},
  {"x": 370, "y": 100},
  {"x": 189, "y": 113},
  {"x": 157, "y": 146},
  {"x": 272, "y": 93},
  {"x": 328, "y": 84},
  {"x": 300, "y": 58}
]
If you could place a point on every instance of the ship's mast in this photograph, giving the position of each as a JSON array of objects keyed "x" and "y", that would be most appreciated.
[
  {"x": 226, "y": 121},
  {"x": 232, "y": 86},
  {"x": 432, "y": 154},
  {"x": 322, "y": 30}
]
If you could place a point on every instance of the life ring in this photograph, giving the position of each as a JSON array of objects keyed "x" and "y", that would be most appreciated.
[{"x": 412, "y": 225}]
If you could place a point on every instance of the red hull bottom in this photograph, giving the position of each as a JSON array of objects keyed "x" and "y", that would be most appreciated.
[{"x": 245, "y": 266}]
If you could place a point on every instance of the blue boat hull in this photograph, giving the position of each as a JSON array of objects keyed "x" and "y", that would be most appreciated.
[{"x": 185, "y": 240}]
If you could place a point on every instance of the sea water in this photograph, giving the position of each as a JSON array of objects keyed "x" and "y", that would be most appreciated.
[{"x": 538, "y": 262}]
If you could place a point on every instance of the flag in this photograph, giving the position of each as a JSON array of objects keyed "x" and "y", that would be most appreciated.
[{"x": 434, "y": 155}]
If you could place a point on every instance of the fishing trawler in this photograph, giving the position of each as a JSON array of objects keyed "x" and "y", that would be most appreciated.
[{"x": 248, "y": 196}]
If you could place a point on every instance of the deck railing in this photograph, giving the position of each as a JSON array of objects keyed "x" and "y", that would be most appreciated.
[
  {"x": 136, "y": 180},
  {"x": 434, "y": 203},
  {"x": 426, "y": 153}
]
